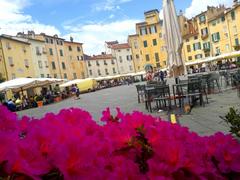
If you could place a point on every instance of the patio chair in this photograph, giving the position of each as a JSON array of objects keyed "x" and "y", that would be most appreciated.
[
  {"x": 194, "y": 78},
  {"x": 179, "y": 91},
  {"x": 204, "y": 85},
  {"x": 150, "y": 95},
  {"x": 140, "y": 92},
  {"x": 189, "y": 92},
  {"x": 164, "y": 97},
  {"x": 194, "y": 91},
  {"x": 213, "y": 81},
  {"x": 236, "y": 78},
  {"x": 224, "y": 77}
]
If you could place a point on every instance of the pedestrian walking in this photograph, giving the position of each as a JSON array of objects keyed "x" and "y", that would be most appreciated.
[
  {"x": 77, "y": 93},
  {"x": 161, "y": 76}
]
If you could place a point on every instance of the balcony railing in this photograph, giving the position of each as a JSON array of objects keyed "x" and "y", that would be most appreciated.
[
  {"x": 237, "y": 47},
  {"x": 206, "y": 49}
]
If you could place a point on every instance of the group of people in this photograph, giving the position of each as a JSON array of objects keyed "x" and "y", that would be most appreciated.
[
  {"x": 20, "y": 101},
  {"x": 115, "y": 82},
  {"x": 156, "y": 76},
  {"x": 212, "y": 67},
  {"x": 75, "y": 91}
]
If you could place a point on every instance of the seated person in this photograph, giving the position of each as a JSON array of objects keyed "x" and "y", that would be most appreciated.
[
  {"x": 11, "y": 105},
  {"x": 24, "y": 102},
  {"x": 18, "y": 104}
]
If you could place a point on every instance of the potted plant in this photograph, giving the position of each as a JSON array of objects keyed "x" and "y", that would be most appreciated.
[
  {"x": 2, "y": 97},
  {"x": 233, "y": 120},
  {"x": 39, "y": 100}
]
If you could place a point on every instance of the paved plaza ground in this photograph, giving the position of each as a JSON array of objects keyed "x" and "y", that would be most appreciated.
[{"x": 203, "y": 120}]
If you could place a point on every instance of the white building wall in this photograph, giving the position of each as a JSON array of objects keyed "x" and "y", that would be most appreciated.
[
  {"x": 95, "y": 69},
  {"x": 124, "y": 60}
]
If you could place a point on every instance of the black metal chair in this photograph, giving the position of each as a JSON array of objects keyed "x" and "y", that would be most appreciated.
[
  {"x": 204, "y": 86},
  {"x": 236, "y": 81},
  {"x": 195, "y": 92},
  {"x": 150, "y": 94},
  {"x": 179, "y": 92},
  {"x": 189, "y": 92},
  {"x": 213, "y": 81},
  {"x": 164, "y": 97},
  {"x": 140, "y": 92}
]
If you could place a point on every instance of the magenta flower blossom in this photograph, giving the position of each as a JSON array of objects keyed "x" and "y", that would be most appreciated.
[{"x": 71, "y": 145}]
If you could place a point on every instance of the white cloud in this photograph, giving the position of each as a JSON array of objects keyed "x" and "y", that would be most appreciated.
[
  {"x": 13, "y": 19},
  {"x": 94, "y": 35},
  {"x": 198, "y": 6},
  {"x": 111, "y": 16},
  {"x": 108, "y": 5},
  {"x": 161, "y": 14}
]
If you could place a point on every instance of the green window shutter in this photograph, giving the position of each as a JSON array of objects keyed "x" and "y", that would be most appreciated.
[
  {"x": 213, "y": 37},
  {"x": 145, "y": 43},
  {"x": 194, "y": 47},
  {"x": 150, "y": 30},
  {"x": 236, "y": 41},
  {"x": 200, "y": 46},
  {"x": 155, "y": 29},
  {"x": 218, "y": 36}
]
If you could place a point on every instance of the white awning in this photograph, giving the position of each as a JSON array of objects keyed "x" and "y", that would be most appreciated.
[
  {"x": 215, "y": 58},
  {"x": 26, "y": 83}
]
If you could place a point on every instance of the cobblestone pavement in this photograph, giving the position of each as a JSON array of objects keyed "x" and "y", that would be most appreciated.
[{"x": 203, "y": 120}]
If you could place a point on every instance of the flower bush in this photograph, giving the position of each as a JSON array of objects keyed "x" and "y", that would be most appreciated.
[{"x": 71, "y": 145}]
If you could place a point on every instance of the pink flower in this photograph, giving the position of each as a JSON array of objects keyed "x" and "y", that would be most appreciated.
[{"x": 75, "y": 145}]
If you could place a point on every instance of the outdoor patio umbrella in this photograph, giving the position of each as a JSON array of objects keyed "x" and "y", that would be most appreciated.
[
  {"x": 173, "y": 39},
  {"x": 16, "y": 83}
]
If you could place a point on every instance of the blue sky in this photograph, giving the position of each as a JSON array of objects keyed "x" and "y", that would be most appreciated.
[
  {"x": 85, "y": 11},
  {"x": 89, "y": 21}
]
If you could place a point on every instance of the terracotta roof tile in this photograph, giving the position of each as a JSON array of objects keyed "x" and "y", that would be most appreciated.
[
  {"x": 121, "y": 46},
  {"x": 102, "y": 56}
]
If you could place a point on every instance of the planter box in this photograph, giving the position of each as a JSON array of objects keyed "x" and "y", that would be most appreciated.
[
  {"x": 40, "y": 103},
  {"x": 57, "y": 99}
]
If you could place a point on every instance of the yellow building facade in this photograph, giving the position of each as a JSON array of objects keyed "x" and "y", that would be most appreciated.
[
  {"x": 75, "y": 57},
  {"x": 59, "y": 66},
  {"x": 16, "y": 58},
  {"x": 151, "y": 42},
  {"x": 233, "y": 18},
  {"x": 211, "y": 33},
  {"x": 134, "y": 43},
  {"x": 3, "y": 73}
]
